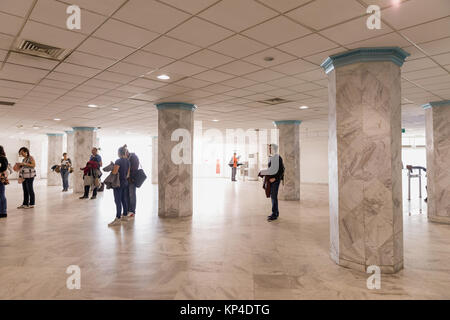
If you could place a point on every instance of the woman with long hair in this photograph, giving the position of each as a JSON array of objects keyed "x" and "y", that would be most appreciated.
[
  {"x": 3, "y": 182},
  {"x": 27, "y": 173},
  {"x": 66, "y": 164}
]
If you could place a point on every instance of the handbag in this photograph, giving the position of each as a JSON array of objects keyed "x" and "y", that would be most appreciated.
[
  {"x": 4, "y": 179},
  {"x": 139, "y": 178}
]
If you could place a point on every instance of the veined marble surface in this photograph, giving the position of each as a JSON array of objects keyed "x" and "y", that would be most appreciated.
[
  {"x": 289, "y": 144},
  {"x": 83, "y": 142},
  {"x": 55, "y": 150},
  {"x": 174, "y": 180},
  {"x": 438, "y": 163},
  {"x": 154, "y": 172},
  {"x": 226, "y": 250},
  {"x": 365, "y": 166}
]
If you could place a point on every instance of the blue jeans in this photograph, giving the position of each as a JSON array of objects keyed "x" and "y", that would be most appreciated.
[
  {"x": 132, "y": 197},
  {"x": 274, "y": 186},
  {"x": 65, "y": 178},
  {"x": 2, "y": 199},
  {"x": 121, "y": 200}
]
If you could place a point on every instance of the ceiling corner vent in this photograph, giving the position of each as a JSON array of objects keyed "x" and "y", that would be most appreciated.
[
  {"x": 7, "y": 103},
  {"x": 42, "y": 50},
  {"x": 274, "y": 101}
]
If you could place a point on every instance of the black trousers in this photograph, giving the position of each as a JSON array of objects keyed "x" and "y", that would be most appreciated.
[
  {"x": 86, "y": 191},
  {"x": 28, "y": 192}
]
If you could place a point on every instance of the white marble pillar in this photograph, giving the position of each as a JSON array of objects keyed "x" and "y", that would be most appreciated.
[
  {"x": 175, "y": 157},
  {"x": 154, "y": 160},
  {"x": 364, "y": 154},
  {"x": 84, "y": 139},
  {"x": 289, "y": 145},
  {"x": 438, "y": 160},
  {"x": 55, "y": 150},
  {"x": 70, "y": 152}
]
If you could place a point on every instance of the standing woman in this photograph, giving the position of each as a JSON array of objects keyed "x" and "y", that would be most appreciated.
[
  {"x": 3, "y": 182},
  {"x": 66, "y": 164},
  {"x": 122, "y": 168},
  {"x": 26, "y": 175}
]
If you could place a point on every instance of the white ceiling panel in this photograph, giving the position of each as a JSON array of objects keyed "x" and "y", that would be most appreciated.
[
  {"x": 105, "y": 48},
  {"x": 239, "y": 68},
  {"x": 278, "y": 57},
  {"x": 307, "y": 45},
  {"x": 208, "y": 59},
  {"x": 285, "y": 5},
  {"x": 22, "y": 73},
  {"x": 9, "y": 24},
  {"x": 191, "y": 6},
  {"x": 147, "y": 59},
  {"x": 105, "y": 7},
  {"x": 171, "y": 47},
  {"x": 89, "y": 60},
  {"x": 238, "y": 46}
]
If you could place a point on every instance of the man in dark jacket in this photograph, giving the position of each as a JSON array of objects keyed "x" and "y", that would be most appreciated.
[
  {"x": 273, "y": 176},
  {"x": 134, "y": 167}
]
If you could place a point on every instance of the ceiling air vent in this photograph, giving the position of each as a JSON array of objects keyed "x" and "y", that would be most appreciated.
[
  {"x": 42, "y": 50},
  {"x": 7, "y": 103},
  {"x": 274, "y": 101}
]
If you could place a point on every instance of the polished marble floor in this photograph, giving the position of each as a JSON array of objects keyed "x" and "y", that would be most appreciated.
[{"x": 227, "y": 250}]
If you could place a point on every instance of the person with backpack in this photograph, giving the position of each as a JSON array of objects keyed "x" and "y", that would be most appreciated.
[
  {"x": 272, "y": 178},
  {"x": 134, "y": 168}
]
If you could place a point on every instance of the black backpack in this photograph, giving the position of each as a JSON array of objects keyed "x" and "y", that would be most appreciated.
[{"x": 281, "y": 170}]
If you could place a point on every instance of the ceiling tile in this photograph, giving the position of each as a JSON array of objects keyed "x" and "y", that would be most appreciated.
[
  {"x": 105, "y": 7},
  {"x": 443, "y": 59},
  {"x": 238, "y": 15},
  {"x": 191, "y": 6},
  {"x": 388, "y": 40},
  {"x": 151, "y": 15},
  {"x": 66, "y": 77},
  {"x": 183, "y": 68},
  {"x": 353, "y": 31},
  {"x": 199, "y": 32},
  {"x": 413, "y": 12},
  {"x": 31, "y": 61},
  {"x": 89, "y": 60},
  {"x": 129, "y": 69},
  {"x": 307, "y": 45},
  {"x": 285, "y": 5},
  {"x": 421, "y": 74},
  {"x": 418, "y": 64},
  {"x": 193, "y": 83},
  {"x": 76, "y": 70},
  {"x": 10, "y": 24},
  {"x": 238, "y": 68},
  {"x": 285, "y": 82},
  {"x": 428, "y": 31},
  {"x": 294, "y": 67},
  {"x": 171, "y": 48},
  {"x": 147, "y": 83},
  {"x": 208, "y": 58},
  {"x": 5, "y": 41},
  {"x": 278, "y": 58},
  {"x": 149, "y": 60},
  {"x": 276, "y": 31},
  {"x": 264, "y": 75},
  {"x": 119, "y": 32},
  {"x": 114, "y": 76},
  {"x": 216, "y": 88},
  {"x": 238, "y": 46},
  {"x": 260, "y": 87},
  {"x": 105, "y": 48},
  {"x": 239, "y": 82},
  {"x": 437, "y": 46},
  {"x": 16, "y": 7},
  {"x": 21, "y": 73},
  {"x": 213, "y": 76},
  {"x": 340, "y": 10}
]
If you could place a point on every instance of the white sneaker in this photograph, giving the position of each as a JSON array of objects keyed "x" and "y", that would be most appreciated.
[
  {"x": 30, "y": 207},
  {"x": 116, "y": 222},
  {"x": 125, "y": 218},
  {"x": 22, "y": 207}
]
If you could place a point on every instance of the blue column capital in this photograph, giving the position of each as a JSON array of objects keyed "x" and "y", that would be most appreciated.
[
  {"x": 287, "y": 122},
  {"x": 84, "y": 129},
  {"x": 436, "y": 104},
  {"x": 55, "y": 134},
  {"x": 176, "y": 105},
  {"x": 393, "y": 54}
]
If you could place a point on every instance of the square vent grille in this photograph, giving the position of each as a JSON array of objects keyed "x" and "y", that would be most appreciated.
[
  {"x": 42, "y": 50},
  {"x": 274, "y": 101}
]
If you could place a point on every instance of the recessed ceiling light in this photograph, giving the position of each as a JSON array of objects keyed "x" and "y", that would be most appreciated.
[
  {"x": 215, "y": 120},
  {"x": 92, "y": 105},
  {"x": 304, "y": 107},
  {"x": 57, "y": 119},
  {"x": 115, "y": 109},
  {"x": 163, "y": 77},
  {"x": 36, "y": 127}
]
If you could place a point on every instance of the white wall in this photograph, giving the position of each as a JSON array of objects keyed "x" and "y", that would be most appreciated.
[
  {"x": 12, "y": 146},
  {"x": 314, "y": 159}
]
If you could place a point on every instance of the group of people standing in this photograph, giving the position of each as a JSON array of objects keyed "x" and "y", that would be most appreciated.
[{"x": 27, "y": 173}]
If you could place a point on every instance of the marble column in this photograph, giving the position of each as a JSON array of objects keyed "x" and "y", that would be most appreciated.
[
  {"x": 84, "y": 139},
  {"x": 289, "y": 145},
  {"x": 175, "y": 157},
  {"x": 364, "y": 155},
  {"x": 55, "y": 150},
  {"x": 70, "y": 152},
  {"x": 154, "y": 160},
  {"x": 437, "y": 123}
]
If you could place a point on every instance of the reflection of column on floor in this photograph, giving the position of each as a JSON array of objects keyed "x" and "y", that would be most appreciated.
[
  {"x": 365, "y": 158},
  {"x": 175, "y": 122},
  {"x": 70, "y": 153},
  {"x": 84, "y": 139},
  {"x": 154, "y": 160},
  {"x": 55, "y": 150},
  {"x": 438, "y": 160},
  {"x": 289, "y": 149}
]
